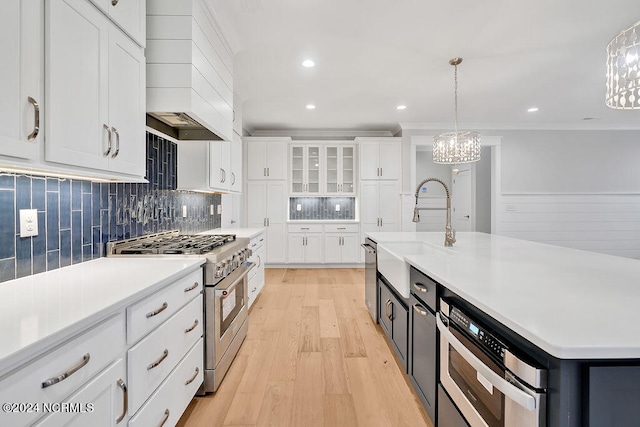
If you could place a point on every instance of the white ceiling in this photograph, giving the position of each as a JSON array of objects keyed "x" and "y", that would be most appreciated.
[{"x": 372, "y": 55}]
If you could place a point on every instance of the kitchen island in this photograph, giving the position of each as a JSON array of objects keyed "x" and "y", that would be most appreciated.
[{"x": 576, "y": 311}]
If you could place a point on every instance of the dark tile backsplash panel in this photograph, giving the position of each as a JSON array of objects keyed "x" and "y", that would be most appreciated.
[
  {"x": 77, "y": 218},
  {"x": 322, "y": 208}
]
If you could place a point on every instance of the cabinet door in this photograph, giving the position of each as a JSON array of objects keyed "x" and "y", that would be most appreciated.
[
  {"x": 400, "y": 328},
  {"x": 276, "y": 221},
  {"x": 297, "y": 170},
  {"x": 236, "y": 165},
  {"x": 347, "y": 170},
  {"x": 422, "y": 361},
  {"x": 276, "y": 159},
  {"x": 77, "y": 103},
  {"x": 332, "y": 248},
  {"x": 296, "y": 247},
  {"x": 369, "y": 160},
  {"x": 385, "y": 299},
  {"x": 390, "y": 160},
  {"x": 126, "y": 104},
  {"x": 331, "y": 170},
  {"x": 313, "y": 248},
  {"x": 312, "y": 172},
  {"x": 256, "y": 160},
  {"x": 131, "y": 16},
  {"x": 350, "y": 248},
  {"x": 219, "y": 165},
  {"x": 389, "y": 204},
  {"x": 105, "y": 392},
  {"x": 276, "y": 244},
  {"x": 369, "y": 204},
  {"x": 256, "y": 204},
  {"x": 21, "y": 77}
]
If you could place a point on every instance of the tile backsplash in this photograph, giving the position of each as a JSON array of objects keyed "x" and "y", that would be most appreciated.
[
  {"x": 77, "y": 218},
  {"x": 322, "y": 208}
]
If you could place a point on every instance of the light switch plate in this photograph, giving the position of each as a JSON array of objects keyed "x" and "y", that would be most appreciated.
[
  {"x": 337, "y": 208},
  {"x": 28, "y": 222},
  {"x": 184, "y": 211}
]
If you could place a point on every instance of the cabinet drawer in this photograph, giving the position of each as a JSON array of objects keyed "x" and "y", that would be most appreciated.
[
  {"x": 341, "y": 228},
  {"x": 257, "y": 242},
  {"x": 174, "y": 395},
  {"x": 305, "y": 228},
  {"x": 147, "y": 314},
  {"x": 155, "y": 356},
  {"x": 423, "y": 288},
  {"x": 80, "y": 359}
]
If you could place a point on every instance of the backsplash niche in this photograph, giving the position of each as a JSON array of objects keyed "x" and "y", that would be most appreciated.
[{"x": 322, "y": 208}]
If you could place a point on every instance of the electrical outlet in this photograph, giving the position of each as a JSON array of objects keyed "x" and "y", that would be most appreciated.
[
  {"x": 219, "y": 209},
  {"x": 298, "y": 207},
  {"x": 28, "y": 222},
  {"x": 184, "y": 211},
  {"x": 211, "y": 211},
  {"x": 337, "y": 208}
]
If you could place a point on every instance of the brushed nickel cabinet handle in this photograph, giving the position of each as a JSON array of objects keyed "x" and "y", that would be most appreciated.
[
  {"x": 421, "y": 288},
  {"x": 342, "y": 228},
  {"x": 386, "y": 309},
  {"x": 125, "y": 400},
  {"x": 155, "y": 312},
  {"x": 233, "y": 178},
  {"x": 108, "y": 129},
  {"x": 166, "y": 417},
  {"x": 115, "y": 131},
  {"x": 152, "y": 365},
  {"x": 259, "y": 260},
  {"x": 221, "y": 175},
  {"x": 268, "y": 222},
  {"x": 190, "y": 380},
  {"x": 67, "y": 373},
  {"x": 186, "y": 331},
  {"x": 268, "y": 171},
  {"x": 192, "y": 287},
  {"x": 36, "y": 119},
  {"x": 264, "y": 172},
  {"x": 304, "y": 228},
  {"x": 114, "y": 2},
  {"x": 418, "y": 309}
]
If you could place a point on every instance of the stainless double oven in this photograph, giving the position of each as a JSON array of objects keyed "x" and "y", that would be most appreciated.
[
  {"x": 491, "y": 384},
  {"x": 225, "y": 289}
]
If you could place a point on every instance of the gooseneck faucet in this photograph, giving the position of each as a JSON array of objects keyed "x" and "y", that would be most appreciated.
[{"x": 449, "y": 233}]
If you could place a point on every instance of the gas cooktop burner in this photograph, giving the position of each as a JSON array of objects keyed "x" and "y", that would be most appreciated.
[{"x": 181, "y": 244}]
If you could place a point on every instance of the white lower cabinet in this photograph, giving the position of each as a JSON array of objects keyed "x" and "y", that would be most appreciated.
[
  {"x": 171, "y": 399},
  {"x": 256, "y": 275},
  {"x": 305, "y": 244},
  {"x": 341, "y": 243},
  {"x": 100, "y": 403}
]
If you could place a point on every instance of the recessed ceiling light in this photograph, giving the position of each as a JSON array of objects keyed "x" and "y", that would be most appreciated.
[
  {"x": 401, "y": 107},
  {"x": 311, "y": 107},
  {"x": 532, "y": 109},
  {"x": 308, "y": 63}
]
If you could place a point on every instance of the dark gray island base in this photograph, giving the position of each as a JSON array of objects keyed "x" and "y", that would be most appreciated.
[{"x": 577, "y": 393}]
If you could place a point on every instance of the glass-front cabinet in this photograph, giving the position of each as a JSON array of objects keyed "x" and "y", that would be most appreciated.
[
  {"x": 340, "y": 169},
  {"x": 305, "y": 169}
]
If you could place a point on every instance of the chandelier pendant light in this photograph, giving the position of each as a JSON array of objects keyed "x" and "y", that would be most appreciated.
[
  {"x": 452, "y": 148},
  {"x": 623, "y": 70}
]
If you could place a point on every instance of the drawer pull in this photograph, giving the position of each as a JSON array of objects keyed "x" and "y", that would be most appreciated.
[
  {"x": 125, "y": 399},
  {"x": 190, "y": 288},
  {"x": 68, "y": 373},
  {"x": 421, "y": 311},
  {"x": 36, "y": 119},
  {"x": 186, "y": 331},
  {"x": 190, "y": 380},
  {"x": 421, "y": 288},
  {"x": 254, "y": 289},
  {"x": 158, "y": 311},
  {"x": 159, "y": 361},
  {"x": 342, "y": 228},
  {"x": 166, "y": 417}
]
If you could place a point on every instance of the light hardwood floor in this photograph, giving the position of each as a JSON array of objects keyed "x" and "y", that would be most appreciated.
[{"x": 312, "y": 357}]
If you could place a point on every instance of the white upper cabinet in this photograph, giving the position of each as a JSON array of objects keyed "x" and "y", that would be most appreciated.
[
  {"x": 220, "y": 163},
  {"x": 21, "y": 78},
  {"x": 235, "y": 186},
  {"x": 305, "y": 169},
  {"x": 340, "y": 170},
  {"x": 209, "y": 166},
  {"x": 380, "y": 158},
  {"x": 129, "y": 15},
  {"x": 94, "y": 91},
  {"x": 267, "y": 158}
]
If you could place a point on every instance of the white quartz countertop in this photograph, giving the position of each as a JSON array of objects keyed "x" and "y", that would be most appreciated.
[
  {"x": 249, "y": 233},
  {"x": 572, "y": 304},
  {"x": 39, "y": 310}
]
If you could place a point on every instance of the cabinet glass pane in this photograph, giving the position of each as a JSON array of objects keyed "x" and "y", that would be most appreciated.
[
  {"x": 332, "y": 187},
  {"x": 313, "y": 169},
  {"x": 296, "y": 187},
  {"x": 332, "y": 169}
]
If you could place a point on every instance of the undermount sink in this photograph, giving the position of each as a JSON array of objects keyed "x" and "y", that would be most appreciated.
[{"x": 392, "y": 265}]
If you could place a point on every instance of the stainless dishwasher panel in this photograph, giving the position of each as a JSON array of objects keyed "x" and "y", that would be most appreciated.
[{"x": 370, "y": 283}]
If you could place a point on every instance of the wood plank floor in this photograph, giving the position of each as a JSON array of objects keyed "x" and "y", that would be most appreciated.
[{"x": 312, "y": 357}]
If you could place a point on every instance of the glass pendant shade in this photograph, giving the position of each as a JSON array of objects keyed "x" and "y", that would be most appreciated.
[
  {"x": 456, "y": 147},
  {"x": 451, "y": 148},
  {"x": 623, "y": 70}
]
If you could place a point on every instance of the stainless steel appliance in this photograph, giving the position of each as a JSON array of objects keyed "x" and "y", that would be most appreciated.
[
  {"x": 491, "y": 384},
  {"x": 225, "y": 289},
  {"x": 370, "y": 283}
]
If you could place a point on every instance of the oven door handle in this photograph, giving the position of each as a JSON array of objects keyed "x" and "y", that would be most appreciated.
[
  {"x": 234, "y": 280},
  {"x": 509, "y": 390}
]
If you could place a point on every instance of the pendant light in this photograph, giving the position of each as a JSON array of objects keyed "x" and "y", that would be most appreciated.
[
  {"x": 623, "y": 70},
  {"x": 452, "y": 148}
]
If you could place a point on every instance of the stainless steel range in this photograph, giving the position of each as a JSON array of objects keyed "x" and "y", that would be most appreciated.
[{"x": 225, "y": 292}]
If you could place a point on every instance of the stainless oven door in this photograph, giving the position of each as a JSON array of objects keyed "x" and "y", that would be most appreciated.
[
  {"x": 225, "y": 312},
  {"x": 485, "y": 393}
]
